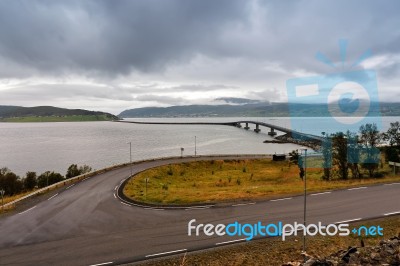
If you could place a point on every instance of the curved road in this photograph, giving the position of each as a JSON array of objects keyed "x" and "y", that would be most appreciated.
[{"x": 86, "y": 224}]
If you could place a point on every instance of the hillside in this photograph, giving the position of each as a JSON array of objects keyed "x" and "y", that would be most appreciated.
[
  {"x": 50, "y": 114},
  {"x": 249, "y": 110}
]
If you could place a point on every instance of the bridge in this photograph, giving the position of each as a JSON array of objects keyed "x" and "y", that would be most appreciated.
[{"x": 272, "y": 128}]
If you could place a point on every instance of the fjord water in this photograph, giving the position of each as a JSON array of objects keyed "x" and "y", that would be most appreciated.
[{"x": 54, "y": 146}]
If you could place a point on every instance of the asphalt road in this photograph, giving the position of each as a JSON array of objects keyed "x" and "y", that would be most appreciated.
[{"x": 87, "y": 224}]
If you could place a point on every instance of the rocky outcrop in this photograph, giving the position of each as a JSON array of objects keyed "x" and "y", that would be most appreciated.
[{"x": 386, "y": 253}]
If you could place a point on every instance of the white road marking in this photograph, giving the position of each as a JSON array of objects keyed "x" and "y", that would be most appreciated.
[
  {"x": 391, "y": 184},
  {"x": 347, "y": 221},
  {"x": 154, "y": 209},
  {"x": 391, "y": 213},
  {"x": 281, "y": 199},
  {"x": 99, "y": 264},
  {"x": 164, "y": 253},
  {"x": 125, "y": 203},
  {"x": 199, "y": 207},
  {"x": 322, "y": 193},
  {"x": 232, "y": 241},
  {"x": 70, "y": 186},
  {"x": 357, "y": 188},
  {"x": 122, "y": 181},
  {"x": 115, "y": 187},
  {"x": 27, "y": 210},
  {"x": 243, "y": 204},
  {"x": 52, "y": 196},
  {"x": 115, "y": 196}
]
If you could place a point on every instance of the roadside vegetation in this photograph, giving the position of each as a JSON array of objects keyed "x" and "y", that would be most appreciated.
[
  {"x": 346, "y": 160},
  {"x": 15, "y": 186},
  {"x": 274, "y": 251}
]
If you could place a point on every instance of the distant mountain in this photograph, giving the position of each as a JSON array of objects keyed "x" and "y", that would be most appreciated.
[
  {"x": 252, "y": 110},
  {"x": 50, "y": 113},
  {"x": 5, "y": 109},
  {"x": 235, "y": 100}
]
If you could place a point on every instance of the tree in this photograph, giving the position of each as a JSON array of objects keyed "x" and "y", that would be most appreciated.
[
  {"x": 353, "y": 154},
  {"x": 10, "y": 182},
  {"x": 85, "y": 169},
  {"x": 74, "y": 170},
  {"x": 30, "y": 180},
  {"x": 48, "y": 178},
  {"x": 392, "y": 135},
  {"x": 339, "y": 148},
  {"x": 326, "y": 149},
  {"x": 370, "y": 139}
]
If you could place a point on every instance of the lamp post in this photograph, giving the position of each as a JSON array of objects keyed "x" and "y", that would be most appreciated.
[
  {"x": 130, "y": 156},
  {"x": 195, "y": 146},
  {"x": 305, "y": 197}
]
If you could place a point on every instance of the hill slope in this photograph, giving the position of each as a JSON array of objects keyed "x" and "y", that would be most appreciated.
[
  {"x": 249, "y": 110},
  {"x": 50, "y": 114}
]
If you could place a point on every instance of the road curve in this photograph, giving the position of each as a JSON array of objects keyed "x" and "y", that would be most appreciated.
[{"x": 87, "y": 224}]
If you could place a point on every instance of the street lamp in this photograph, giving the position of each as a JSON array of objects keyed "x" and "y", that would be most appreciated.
[
  {"x": 130, "y": 156},
  {"x": 305, "y": 197}
]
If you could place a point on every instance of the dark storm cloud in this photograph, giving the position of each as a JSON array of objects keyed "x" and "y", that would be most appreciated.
[
  {"x": 110, "y": 36},
  {"x": 116, "y": 37}
]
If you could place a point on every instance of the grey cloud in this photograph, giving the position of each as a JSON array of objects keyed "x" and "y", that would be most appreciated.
[
  {"x": 163, "y": 40},
  {"x": 110, "y": 37},
  {"x": 116, "y": 37},
  {"x": 161, "y": 99},
  {"x": 47, "y": 92}
]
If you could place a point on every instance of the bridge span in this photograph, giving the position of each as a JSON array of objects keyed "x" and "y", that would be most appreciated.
[{"x": 272, "y": 128}]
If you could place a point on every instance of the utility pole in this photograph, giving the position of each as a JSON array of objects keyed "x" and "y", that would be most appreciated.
[
  {"x": 305, "y": 198},
  {"x": 130, "y": 156}
]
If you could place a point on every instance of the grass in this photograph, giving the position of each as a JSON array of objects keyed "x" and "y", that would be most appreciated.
[
  {"x": 223, "y": 180},
  {"x": 68, "y": 118},
  {"x": 274, "y": 251}
]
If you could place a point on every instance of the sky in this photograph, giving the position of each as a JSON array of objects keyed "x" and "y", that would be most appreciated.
[{"x": 117, "y": 55}]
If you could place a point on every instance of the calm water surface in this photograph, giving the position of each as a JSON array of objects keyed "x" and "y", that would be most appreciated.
[{"x": 54, "y": 146}]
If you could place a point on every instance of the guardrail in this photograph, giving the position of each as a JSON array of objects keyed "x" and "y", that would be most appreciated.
[{"x": 117, "y": 166}]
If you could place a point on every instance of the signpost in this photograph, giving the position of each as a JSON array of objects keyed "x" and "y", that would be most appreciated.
[
  {"x": 394, "y": 164},
  {"x": 145, "y": 193}
]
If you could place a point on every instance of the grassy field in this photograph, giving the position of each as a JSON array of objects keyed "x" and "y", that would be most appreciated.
[
  {"x": 274, "y": 251},
  {"x": 223, "y": 180},
  {"x": 69, "y": 118}
]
